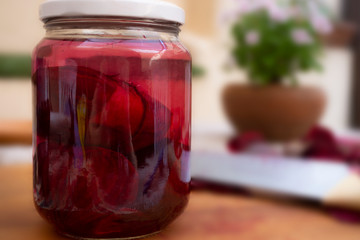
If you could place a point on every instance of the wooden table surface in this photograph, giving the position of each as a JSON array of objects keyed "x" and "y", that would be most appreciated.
[
  {"x": 15, "y": 132},
  {"x": 208, "y": 216}
]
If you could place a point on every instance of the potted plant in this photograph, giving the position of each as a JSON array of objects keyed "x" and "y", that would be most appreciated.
[{"x": 273, "y": 42}]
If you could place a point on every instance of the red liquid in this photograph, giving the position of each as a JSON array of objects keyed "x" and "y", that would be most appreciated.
[{"x": 112, "y": 135}]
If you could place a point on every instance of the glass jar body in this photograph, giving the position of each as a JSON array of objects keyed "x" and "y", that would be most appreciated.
[{"x": 112, "y": 116}]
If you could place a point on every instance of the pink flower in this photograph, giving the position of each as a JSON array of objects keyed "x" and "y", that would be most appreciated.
[
  {"x": 301, "y": 36},
  {"x": 263, "y": 4},
  {"x": 321, "y": 24},
  {"x": 275, "y": 12},
  {"x": 319, "y": 21},
  {"x": 278, "y": 14},
  {"x": 248, "y": 6},
  {"x": 295, "y": 12},
  {"x": 243, "y": 6},
  {"x": 252, "y": 38},
  {"x": 268, "y": 4}
]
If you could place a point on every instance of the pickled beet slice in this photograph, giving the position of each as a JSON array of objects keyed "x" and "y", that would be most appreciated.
[
  {"x": 113, "y": 65},
  {"x": 124, "y": 110},
  {"x": 129, "y": 108},
  {"x": 116, "y": 110},
  {"x": 104, "y": 178},
  {"x": 175, "y": 181},
  {"x": 50, "y": 180},
  {"x": 156, "y": 122},
  {"x": 83, "y": 190},
  {"x": 115, "y": 176}
]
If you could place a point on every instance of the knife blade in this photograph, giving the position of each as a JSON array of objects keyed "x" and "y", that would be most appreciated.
[{"x": 333, "y": 184}]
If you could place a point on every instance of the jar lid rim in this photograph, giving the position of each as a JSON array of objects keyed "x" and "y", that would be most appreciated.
[{"x": 147, "y": 9}]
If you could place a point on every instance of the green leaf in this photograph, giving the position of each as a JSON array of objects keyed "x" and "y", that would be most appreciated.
[
  {"x": 15, "y": 65},
  {"x": 198, "y": 71}
]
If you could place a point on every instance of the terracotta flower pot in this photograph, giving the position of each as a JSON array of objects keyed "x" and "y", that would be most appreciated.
[{"x": 280, "y": 113}]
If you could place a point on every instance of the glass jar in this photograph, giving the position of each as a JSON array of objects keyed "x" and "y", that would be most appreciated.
[{"x": 112, "y": 112}]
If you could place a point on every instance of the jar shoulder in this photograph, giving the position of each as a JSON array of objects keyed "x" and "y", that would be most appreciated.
[
  {"x": 145, "y": 48},
  {"x": 186, "y": 53}
]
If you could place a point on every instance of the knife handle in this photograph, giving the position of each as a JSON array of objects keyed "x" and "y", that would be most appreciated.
[{"x": 346, "y": 194}]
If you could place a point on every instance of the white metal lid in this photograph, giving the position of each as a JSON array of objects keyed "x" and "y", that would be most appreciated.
[{"x": 152, "y": 9}]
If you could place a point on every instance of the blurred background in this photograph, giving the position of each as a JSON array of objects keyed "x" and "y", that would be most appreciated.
[{"x": 205, "y": 34}]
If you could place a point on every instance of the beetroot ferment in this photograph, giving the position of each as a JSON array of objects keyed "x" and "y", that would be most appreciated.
[{"x": 111, "y": 135}]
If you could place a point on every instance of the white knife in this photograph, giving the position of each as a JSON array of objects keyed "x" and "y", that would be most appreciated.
[{"x": 333, "y": 184}]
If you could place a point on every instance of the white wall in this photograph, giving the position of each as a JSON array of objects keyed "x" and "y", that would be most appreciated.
[
  {"x": 15, "y": 99},
  {"x": 20, "y": 31},
  {"x": 19, "y": 25}
]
